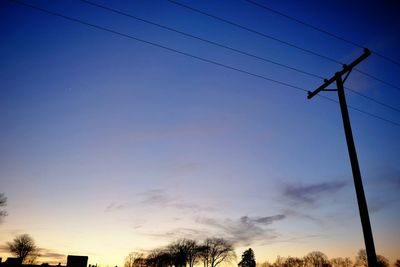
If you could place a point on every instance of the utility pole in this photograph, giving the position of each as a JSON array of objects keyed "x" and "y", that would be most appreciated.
[{"x": 362, "y": 203}]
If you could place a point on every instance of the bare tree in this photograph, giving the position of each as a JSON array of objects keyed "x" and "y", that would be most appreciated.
[
  {"x": 135, "y": 259},
  {"x": 180, "y": 250},
  {"x": 159, "y": 258},
  {"x": 341, "y": 262},
  {"x": 382, "y": 261},
  {"x": 316, "y": 259},
  {"x": 293, "y": 262},
  {"x": 264, "y": 264},
  {"x": 217, "y": 250},
  {"x": 279, "y": 262},
  {"x": 203, "y": 254},
  {"x": 192, "y": 251},
  {"x": 361, "y": 260},
  {"x": 3, "y": 203},
  {"x": 348, "y": 262},
  {"x": 23, "y": 247}
]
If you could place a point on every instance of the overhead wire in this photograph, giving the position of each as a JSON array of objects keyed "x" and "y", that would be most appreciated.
[
  {"x": 263, "y": 6},
  {"x": 280, "y": 41},
  {"x": 377, "y": 79},
  {"x": 156, "y": 44},
  {"x": 201, "y": 39},
  {"x": 372, "y": 99},
  {"x": 191, "y": 56},
  {"x": 255, "y": 31},
  {"x": 122, "y": 13},
  {"x": 361, "y": 111}
]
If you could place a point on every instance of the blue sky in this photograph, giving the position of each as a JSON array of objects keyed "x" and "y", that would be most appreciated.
[{"x": 109, "y": 145}]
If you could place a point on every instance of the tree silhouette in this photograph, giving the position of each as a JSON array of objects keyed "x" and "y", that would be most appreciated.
[
  {"x": 293, "y": 262},
  {"x": 192, "y": 251},
  {"x": 382, "y": 261},
  {"x": 341, "y": 262},
  {"x": 279, "y": 262},
  {"x": 3, "y": 203},
  {"x": 247, "y": 259},
  {"x": 203, "y": 254},
  {"x": 316, "y": 259},
  {"x": 159, "y": 258},
  {"x": 264, "y": 264},
  {"x": 179, "y": 253},
  {"x": 361, "y": 259},
  {"x": 185, "y": 252},
  {"x": 214, "y": 251},
  {"x": 135, "y": 259},
  {"x": 24, "y": 248}
]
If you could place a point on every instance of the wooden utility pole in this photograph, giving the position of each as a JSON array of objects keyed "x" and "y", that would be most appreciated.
[{"x": 362, "y": 203}]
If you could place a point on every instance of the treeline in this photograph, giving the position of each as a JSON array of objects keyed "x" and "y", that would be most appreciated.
[
  {"x": 215, "y": 251},
  {"x": 319, "y": 259},
  {"x": 212, "y": 252},
  {"x": 185, "y": 252}
]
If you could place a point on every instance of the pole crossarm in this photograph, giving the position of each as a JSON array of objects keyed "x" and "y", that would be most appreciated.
[{"x": 346, "y": 68}]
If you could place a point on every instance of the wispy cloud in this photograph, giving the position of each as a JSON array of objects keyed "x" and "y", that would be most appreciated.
[
  {"x": 181, "y": 232},
  {"x": 301, "y": 215},
  {"x": 156, "y": 197},
  {"x": 389, "y": 178},
  {"x": 161, "y": 199},
  {"x": 3, "y": 249},
  {"x": 49, "y": 254},
  {"x": 245, "y": 230},
  {"x": 376, "y": 204},
  {"x": 116, "y": 206},
  {"x": 265, "y": 220},
  {"x": 383, "y": 180},
  {"x": 309, "y": 194}
]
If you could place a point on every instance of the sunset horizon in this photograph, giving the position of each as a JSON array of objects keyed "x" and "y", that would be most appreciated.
[{"x": 130, "y": 125}]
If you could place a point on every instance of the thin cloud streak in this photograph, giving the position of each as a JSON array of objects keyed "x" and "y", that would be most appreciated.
[
  {"x": 3, "y": 249},
  {"x": 114, "y": 207},
  {"x": 181, "y": 232},
  {"x": 47, "y": 253},
  {"x": 309, "y": 194},
  {"x": 160, "y": 199},
  {"x": 301, "y": 215},
  {"x": 245, "y": 230}
]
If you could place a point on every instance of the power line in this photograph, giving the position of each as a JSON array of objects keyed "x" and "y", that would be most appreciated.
[
  {"x": 203, "y": 39},
  {"x": 278, "y": 40},
  {"x": 122, "y": 13},
  {"x": 377, "y": 79},
  {"x": 362, "y": 111},
  {"x": 263, "y": 6},
  {"x": 189, "y": 55},
  {"x": 255, "y": 32},
  {"x": 157, "y": 45},
  {"x": 373, "y": 99}
]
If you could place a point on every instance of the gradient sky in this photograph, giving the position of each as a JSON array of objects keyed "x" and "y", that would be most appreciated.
[{"x": 109, "y": 145}]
